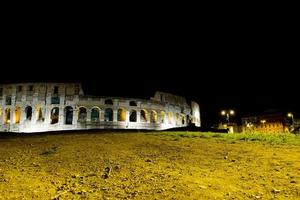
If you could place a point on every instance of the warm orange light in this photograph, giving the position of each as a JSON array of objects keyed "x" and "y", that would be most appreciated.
[
  {"x": 290, "y": 114},
  {"x": 231, "y": 112},
  {"x": 223, "y": 112}
]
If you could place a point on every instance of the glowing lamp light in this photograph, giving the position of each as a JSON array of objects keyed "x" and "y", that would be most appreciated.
[
  {"x": 290, "y": 114},
  {"x": 263, "y": 121},
  {"x": 227, "y": 113}
]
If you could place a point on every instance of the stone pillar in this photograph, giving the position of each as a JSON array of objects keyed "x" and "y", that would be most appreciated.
[
  {"x": 12, "y": 115},
  {"x": 61, "y": 118},
  {"x": 101, "y": 115},
  {"x": 4, "y": 100},
  {"x": 48, "y": 99},
  {"x": 47, "y": 114},
  {"x": 149, "y": 116},
  {"x": 23, "y": 115},
  {"x": 34, "y": 114},
  {"x": 75, "y": 116},
  {"x": 88, "y": 117},
  {"x": 127, "y": 116},
  {"x": 167, "y": 118},
  {"x": 1, "y": 113},
  {"x": 138, "y": 116},
  {"x": 62, "y": 100},
  {"x": 158, "y": 114},
  {"x": 115, "y": 115},
  {"x": 12, "y": 106}
]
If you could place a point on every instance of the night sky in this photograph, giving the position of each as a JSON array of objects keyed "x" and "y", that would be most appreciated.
[{"x": 248, "y": 67}]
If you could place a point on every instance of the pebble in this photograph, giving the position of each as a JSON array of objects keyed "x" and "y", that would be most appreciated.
[
  {"x": 275, "y": 191},
  {"x": 202, "y": 187}
]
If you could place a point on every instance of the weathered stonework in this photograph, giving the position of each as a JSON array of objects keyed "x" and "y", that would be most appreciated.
[{"x": 39, "y": 107}]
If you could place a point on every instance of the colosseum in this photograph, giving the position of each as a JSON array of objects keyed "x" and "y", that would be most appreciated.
[{"x": 42, "y": 107}]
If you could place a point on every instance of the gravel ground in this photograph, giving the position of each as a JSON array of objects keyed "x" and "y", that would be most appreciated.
[{"x": 104, "y": 165}]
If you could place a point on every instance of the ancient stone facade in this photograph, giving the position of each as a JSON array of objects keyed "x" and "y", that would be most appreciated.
[{"x": 40, "y": 107}]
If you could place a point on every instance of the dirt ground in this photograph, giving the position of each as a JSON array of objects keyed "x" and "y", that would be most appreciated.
[{"x": 145, "y": 166}]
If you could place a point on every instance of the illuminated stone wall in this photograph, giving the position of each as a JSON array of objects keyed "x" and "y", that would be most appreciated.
[
  {"x": 39, "y": 107},
  {"x": 265, "y": 123}
]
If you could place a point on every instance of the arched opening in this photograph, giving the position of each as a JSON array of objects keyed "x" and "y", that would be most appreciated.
[
  {"x": 7, "y": 116},
  {"x": 82, "y": 114},
  {"x": 183, "y": 120},
  {"x": 17, "y": 115},
  {"x": 28, "y": 111},
  {"x": 132, "y": 103},
  {"x": 162, "y": 117},
  {"x": 144, "y": 116},
  {"x": 188, "y": 120},
  {"x": 40, "y": 116},
  {"x": 68, "y": 115},
  {"x": 54, "y": 115},
  {"x": 121, "y": 115},
  {"x": 170, "y": 117},
  {"x": 153, "y": 117},
  {"x": 132, "y": 116},
  {"x": 95, "y": 115},
  {"x": 108, "y": 102},
  {"x": 108, "y": 115}
]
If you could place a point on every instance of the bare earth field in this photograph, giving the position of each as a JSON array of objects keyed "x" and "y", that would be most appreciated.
[{"x": 100, "y": 165}]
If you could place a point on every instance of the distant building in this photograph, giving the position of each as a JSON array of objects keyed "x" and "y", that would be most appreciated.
[
  {"x": 38, "y": 107},
  {"x": 266, "y": 122}
]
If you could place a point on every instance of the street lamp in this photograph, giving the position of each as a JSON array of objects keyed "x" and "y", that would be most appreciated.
[
  {"x": 227, "y": 113},
  {"x": 290, "y": 115}
]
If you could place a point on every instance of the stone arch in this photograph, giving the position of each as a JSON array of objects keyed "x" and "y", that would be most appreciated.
[
  {"x": 162, "y": 116},
  {"x": 95, "y": 114},
  {"x": 108, "y": 102},
  {"x": 40, "y": 116},
  {"x": 82, "y": 114},
  {"x": 153, "y": 118},
  {"x": 108, "y": 115},
  {"x": 54, "y": 115},
  {"x": 132, "y": 103},
  {"x": 144, "y": 116},
  {"x": 7, "y": 116},
  {"x": 68, "y": 114},
  {"x": 17, "y": 115},
  {"x": 170, "y": 117},
  {"x": 121, "y": 115},
  {"x": 28, "y": 112},
  {"x": 132, "y": 116}
]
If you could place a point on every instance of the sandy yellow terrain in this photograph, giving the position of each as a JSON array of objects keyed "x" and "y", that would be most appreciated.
[{"x": 100, "y": 165}]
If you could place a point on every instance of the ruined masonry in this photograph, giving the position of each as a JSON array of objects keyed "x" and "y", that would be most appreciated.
[{"x": 41, "y": 107}]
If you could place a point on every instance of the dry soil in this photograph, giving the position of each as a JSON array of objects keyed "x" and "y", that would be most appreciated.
[{"x": 99, "y": 165}]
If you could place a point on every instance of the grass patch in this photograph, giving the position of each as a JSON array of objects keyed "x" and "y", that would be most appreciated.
[{"x": 275, "y": 138}]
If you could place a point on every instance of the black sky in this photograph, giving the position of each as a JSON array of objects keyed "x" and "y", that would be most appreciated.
[{"x": 247, "y": 65}]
